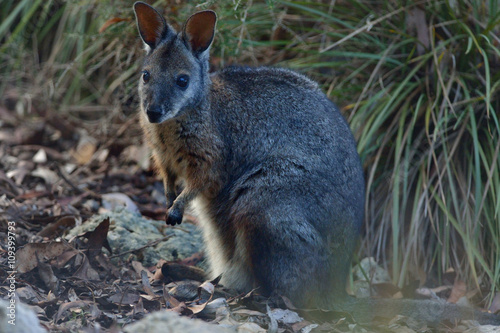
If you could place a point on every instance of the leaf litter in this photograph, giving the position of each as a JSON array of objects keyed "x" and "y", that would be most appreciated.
[{"x": 54, "y": 177}]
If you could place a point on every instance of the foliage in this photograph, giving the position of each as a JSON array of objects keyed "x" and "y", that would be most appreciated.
[{"x": 418, "y": 81}]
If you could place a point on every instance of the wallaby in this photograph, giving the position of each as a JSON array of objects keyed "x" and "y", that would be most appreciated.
[{"x": 271, "y": 167}]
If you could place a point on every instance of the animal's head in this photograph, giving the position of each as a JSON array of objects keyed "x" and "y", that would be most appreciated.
[{"x": 175, "y": 72}]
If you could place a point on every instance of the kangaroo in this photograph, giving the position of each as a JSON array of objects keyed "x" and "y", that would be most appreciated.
[{"x": 270, "y": 166}]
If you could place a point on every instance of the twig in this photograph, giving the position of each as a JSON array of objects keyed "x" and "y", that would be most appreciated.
[{"x": 152, "y": 243}]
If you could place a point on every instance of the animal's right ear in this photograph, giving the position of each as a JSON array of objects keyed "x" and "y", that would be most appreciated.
[{"x": 151, "y": 24}]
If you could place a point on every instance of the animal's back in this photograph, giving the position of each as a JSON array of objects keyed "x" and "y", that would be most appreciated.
[{"x": 288, "y": 215}]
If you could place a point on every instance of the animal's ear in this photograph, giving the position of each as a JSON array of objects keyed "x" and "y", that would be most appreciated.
[
  {"x": 151, "y": 24},
  {"x": 199, "y": 30}
]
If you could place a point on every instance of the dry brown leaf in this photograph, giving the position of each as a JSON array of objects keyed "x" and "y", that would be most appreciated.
[
  {"x": 84, "y": 151},
  {"x": 182, "y": 309},
  {"x": 146, "y": 286},
  {"x": 61, "y": 260},
  {"x": 170, "y": 301},
  {"x": 27, "y": 255},
  {"x": 98, "y": 238},
  {"x": 57, "y": 228},
  {"x": 47, "y": 275},
  {"x": 85, "y": 271},
  {"x": 458, "y": 291},
  {"x": 138, "y": 268},
  {"x": 138, "y": 308},
  {"x": 70, "y": 305}
]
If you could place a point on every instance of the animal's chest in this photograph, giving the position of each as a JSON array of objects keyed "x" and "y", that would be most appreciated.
[{"x": 171, "y": 149}]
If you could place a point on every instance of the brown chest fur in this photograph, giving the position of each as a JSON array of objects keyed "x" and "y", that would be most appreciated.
[{"x": 183, "y": 153}]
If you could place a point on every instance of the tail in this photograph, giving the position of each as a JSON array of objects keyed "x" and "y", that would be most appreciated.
[{"x": 432, "y": 312}]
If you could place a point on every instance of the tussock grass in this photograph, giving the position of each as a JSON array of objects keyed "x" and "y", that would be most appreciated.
[{"x": 419, "y": 82}]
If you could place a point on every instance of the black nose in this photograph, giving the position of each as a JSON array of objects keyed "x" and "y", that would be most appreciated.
[{"x": 154, "y": 113}]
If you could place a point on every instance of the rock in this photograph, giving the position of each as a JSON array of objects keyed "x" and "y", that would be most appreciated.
[
  {"x": 375, "y": 273},
  {"x": 18, "y": 318},
  {"x": 129, "y": 231},
  {"x": 171, "y": 322}
]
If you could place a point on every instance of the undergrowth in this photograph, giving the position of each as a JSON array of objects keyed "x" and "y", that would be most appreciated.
[{"x": 419, "y": 82}]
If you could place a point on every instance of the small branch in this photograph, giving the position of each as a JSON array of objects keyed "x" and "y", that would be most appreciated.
[{"x": 152, "y": 243}]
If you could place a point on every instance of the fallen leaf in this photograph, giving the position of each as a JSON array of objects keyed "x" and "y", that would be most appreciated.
[
  {"x": 47, "y": 275},
  {"x": 49, "y": 176},
  {"x": 208, "y": 286},
  {"x": 182, "y": 309},
  {"x": 18, "y": 174},
  {"x": 28, "y": 294},
  {"x": 170, "y": 301},
  {"x": 57, "y": 228},
  {"x": 85, "y": 271},
  {"x": 124, "y": 298},
  {"x": 138, "y": 308},
  {"x": 40, "y": 156},
  {"x": 61, "y": 260},
  {"x": 458, "y": 291},
  {"x": 215, "y": 306},
  {"x": 98, "y": 238},
  {"x": 146, "y": 286},
  {"x": 69, "y": 305},
  {"x": 111, "y": 201},
  {"x": 138, "y": 268},
  {"x": 84, "y": 150},
  {"x": 285, "y": 316},
  {"x": 27, "y": 255},
  {"x": 251, "y": 328}
]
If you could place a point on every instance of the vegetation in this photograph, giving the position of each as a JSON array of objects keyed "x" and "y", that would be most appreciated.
[{"x": 419, "y": 82}]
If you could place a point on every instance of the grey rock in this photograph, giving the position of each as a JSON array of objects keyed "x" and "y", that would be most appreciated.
[
  {"x": 129, "y": 231},
  {"x": 18, "y": 318},
  {"x": 171, "y": 322}
]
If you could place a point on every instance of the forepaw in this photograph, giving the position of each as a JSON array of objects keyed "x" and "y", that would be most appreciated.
[{"x": 174, "y": 216}]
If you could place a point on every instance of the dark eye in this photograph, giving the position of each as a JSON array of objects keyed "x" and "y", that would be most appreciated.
[
  {"x": 146, "y": 76},
  {"x": 182, "y": 81}
]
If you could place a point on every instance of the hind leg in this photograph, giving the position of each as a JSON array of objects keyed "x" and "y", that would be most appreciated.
[{"x": 288, "y": 255}]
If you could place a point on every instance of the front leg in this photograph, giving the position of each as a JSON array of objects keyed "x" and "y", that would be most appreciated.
[
  {"x": 169, "y": 185},
  {"x": 176, "y": 212}
]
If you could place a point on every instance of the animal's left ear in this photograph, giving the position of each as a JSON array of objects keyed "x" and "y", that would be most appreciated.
[{"x": 199, "y": 29}]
